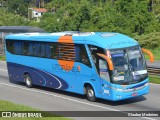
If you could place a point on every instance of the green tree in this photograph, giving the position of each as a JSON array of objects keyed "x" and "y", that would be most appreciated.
[
  {"x": 18, "y": 6},
  {"x": 137, "y": 14},
  {"x": 126, "y": 16},
  {"x": 11, "y": 19}
]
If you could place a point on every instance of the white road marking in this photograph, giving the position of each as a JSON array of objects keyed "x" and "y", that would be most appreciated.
[
  {"x": 86, "y": 103},
  {"x": 90, "y": 104},
  {"x": 3, "y": 70},
  {"x": 41, "y": 92}
]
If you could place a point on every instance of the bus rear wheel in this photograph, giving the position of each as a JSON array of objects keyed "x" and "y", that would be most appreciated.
[
  {"x": 28, "y": 81},
  {"x": 90, "y": 94}
]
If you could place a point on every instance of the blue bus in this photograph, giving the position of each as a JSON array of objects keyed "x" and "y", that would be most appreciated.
[{"x": 103, "y": 65}]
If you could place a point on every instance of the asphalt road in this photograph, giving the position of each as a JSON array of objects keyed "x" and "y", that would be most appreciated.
[{"x": 54, "y": 100}]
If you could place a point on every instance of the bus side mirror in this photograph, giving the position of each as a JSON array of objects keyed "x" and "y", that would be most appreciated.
[
  {"x": 151, "y": 56},
  {"x": 109, "y": 61}
]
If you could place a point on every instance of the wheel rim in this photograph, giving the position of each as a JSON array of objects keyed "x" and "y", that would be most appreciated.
[
  {"x": 90, "y": 93},
  {"x": 28, "y": 81}
]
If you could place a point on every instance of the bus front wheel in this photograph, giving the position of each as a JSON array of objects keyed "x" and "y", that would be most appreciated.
[
  {"x": 90, "y": 94},
  {"x": 28, "y": 81}
]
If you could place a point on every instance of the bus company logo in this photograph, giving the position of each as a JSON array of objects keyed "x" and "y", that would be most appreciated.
[
  {"x": 120, "y": 43},
  {"x": 66, "y": 64},
  {"x": 6, "y": 114},
  {"x": 66, "y": 67},
  {"x": 62, "y": 63}
]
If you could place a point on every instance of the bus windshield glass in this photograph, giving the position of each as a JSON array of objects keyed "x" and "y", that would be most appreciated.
[{"x": 129, "y": 65}]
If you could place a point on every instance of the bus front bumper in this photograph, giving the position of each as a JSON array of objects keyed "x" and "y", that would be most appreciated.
[{"x": 120, "y": 94}]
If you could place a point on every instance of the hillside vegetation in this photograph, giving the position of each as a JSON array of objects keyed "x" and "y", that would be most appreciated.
[{"x": 137, "y": 18}]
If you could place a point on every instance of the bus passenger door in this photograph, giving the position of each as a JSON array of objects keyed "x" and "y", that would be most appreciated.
[
  {"x": 101, "y": 67},
  {"x": 105, "y": 78}
]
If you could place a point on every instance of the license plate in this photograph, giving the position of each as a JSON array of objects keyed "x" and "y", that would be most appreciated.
[{"x": 134, "y": 94}]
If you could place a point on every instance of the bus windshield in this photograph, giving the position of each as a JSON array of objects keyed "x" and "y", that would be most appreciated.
[{"x": 129, "y": 65}]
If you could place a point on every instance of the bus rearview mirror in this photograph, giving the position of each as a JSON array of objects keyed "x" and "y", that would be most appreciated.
[
  {"x": 150, "y": 54},
  {"x": 109, "y": 61}
]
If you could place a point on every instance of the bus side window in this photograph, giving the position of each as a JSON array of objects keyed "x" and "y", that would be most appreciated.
[
  {"x": 9, "y": 46},
  {"x": 81, "y": 55},
  {"x": 103, "y": 69},
  {"x": 25, "y": 48},
  {"x": 37, "y": 47},
  {"x": 77, "y": 50},
  {"x": 100, "y": 63},
  {"x": 30, "y": 49},
  {"x": 18, "y": 47},
  {"x": 48, "y": 50},
  {"x": 42, "y": 50},
  {"x": 54, "y": 50}
]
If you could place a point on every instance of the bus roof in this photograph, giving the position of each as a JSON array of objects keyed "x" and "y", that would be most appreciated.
[{"x": 105, "y": 40}]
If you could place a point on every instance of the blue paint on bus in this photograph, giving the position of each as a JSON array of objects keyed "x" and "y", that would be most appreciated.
[
  {"x": 39, "y": 77},
  {"x": 57, "y": 65}
]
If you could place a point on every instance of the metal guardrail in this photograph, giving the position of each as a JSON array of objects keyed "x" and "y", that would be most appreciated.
[
  {"x": 153, "y": 68},
  {"x": 154, "y": 71}
]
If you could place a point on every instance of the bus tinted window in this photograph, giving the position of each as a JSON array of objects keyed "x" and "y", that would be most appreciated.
[
  {"x": 31, "y": 49},
  {"x": 81, "y": 55},
  {"x": 100, "y": 63},
  {"x": 65, "y": 51},
  {"x": 9, "y": 45},
  {"x": 39, "y": 49},
  {"x": 47, "y": 50},
  {"x": 18, "y": 47},
  {"x": 25, "y": 48},
  {"x": 53, "y": 50}
]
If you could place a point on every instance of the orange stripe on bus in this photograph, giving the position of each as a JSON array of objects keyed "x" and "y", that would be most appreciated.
[
  {"x": 66, "y": 65},
  {"x": 65, "y": 39}
]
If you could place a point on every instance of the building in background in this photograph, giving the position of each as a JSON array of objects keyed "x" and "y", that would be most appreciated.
[{"x": 37, "y": 13}]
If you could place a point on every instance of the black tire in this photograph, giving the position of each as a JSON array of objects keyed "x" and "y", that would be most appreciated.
[
  {"x": 90, "y": 94},
  {"x": 28, "y": 81}
]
